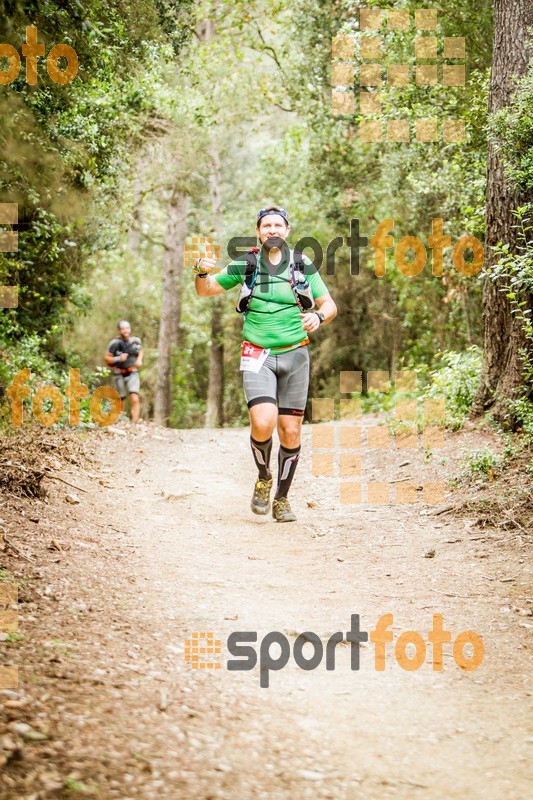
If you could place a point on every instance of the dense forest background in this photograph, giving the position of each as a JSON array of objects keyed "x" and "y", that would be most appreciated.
[{"x": 186, "y": 118}]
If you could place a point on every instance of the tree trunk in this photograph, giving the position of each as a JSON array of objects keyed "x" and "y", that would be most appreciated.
[
  {"x": 214, "y": 417},
  {"x": 504, "y": 338},
  {"x": 134, "y": 232},
  {"x": 175, "y": 232}
]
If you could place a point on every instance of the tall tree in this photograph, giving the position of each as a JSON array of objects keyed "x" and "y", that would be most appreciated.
[
  {"x": 504, "y": 337},
  {"x": 175, "y": 233},
  {"x": 65, "y": 149},
  {"x": 214, "y": 416}
]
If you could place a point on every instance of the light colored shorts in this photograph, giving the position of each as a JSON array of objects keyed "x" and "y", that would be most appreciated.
[{"x": 127, "y": 384}]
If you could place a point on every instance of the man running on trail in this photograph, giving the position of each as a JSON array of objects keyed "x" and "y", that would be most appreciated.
[
  {"x": 277, "y": 295},
  {"x": 124, "y": 355}
]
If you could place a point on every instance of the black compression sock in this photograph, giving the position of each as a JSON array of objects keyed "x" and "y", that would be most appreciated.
[
  {"x": 261, "y": 452},
  {"x": 287, "y": 463}
]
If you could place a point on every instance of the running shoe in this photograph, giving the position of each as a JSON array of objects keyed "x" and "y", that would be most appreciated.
[
  {"x": 261, "y": 497},
  {"x": 281, "y": 510}
]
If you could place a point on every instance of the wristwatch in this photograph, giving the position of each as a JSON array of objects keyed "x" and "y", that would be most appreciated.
[
  {"x": 196, "y": 270},
  {"x": 320, "y": 316}
]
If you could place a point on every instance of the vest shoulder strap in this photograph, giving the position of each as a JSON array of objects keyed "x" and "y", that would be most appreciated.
[{"x": 301, "y": 290}]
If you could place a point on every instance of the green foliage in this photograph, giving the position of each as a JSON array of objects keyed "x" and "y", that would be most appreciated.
[
  {"x": 189, "y": 388},
  {"x": 28, "y": 355},
  {"x": 94, "y": 163},
  {"x": 73, "y": 786},
  {"x": 373, "y": 402},
  {"x": 65, "y": 150},
  {"x": 330, "y": 170},
  {"x": 511, "y": 129},
  {"x": 514, "y": 271},
  {"x": 483, "y": 462},
  {"x": 523, "y": 410},
  {"x": 14, "y": 637},
  {"x": 456, "y": 381}
]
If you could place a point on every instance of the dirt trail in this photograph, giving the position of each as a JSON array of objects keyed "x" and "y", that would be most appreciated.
[{"x": 163, "y": 544}]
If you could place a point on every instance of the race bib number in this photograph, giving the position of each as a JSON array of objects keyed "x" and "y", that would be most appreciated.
[{"x": 252, "y": 357}]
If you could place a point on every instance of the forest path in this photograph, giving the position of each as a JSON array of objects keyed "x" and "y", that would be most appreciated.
[{"x": 163, "y": 544}]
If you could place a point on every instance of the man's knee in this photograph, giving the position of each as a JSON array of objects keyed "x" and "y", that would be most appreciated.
[
  {"x": 263, "y": 430},
  {"x": 263, "y": 420},
  {"x": 290, "y": 430}
]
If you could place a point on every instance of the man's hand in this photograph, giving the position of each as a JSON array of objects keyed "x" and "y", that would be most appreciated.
[
  {"x": 310, "y": 322},
  {"x": 123, "y": 357},
  {"x": 207, "y": 264}
]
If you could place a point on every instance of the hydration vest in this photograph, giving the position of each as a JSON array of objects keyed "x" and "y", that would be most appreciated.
[
  {"x": 299, "y": 284},
  {"x": 132, "y": 347}
]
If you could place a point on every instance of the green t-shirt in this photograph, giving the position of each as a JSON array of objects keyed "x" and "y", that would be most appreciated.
[{"x": 273, "y": 317}]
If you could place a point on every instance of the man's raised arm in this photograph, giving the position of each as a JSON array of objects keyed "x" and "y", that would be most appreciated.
[{"x": 204, "y": 283}]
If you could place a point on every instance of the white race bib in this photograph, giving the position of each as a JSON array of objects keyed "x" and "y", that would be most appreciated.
[{"x": 252, "y": 357}]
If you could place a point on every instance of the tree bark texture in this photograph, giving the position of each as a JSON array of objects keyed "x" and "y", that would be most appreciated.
[
  {"x": 502, "y": 372},
  {"x": 175, "y": 233}
]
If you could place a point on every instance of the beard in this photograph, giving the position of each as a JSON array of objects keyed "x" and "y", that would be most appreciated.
[{"x": 273, "y": 243}]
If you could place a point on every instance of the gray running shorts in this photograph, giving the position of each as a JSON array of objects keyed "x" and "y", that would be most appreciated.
[
  {"x": 125, "y": 384},
  {"x": 283, "y": 380}
]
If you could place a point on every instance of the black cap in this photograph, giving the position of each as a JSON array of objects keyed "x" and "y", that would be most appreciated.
[{"x": 273, "y": 210}]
